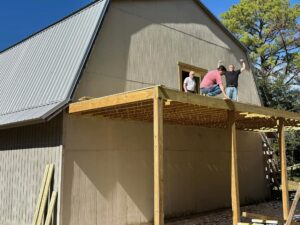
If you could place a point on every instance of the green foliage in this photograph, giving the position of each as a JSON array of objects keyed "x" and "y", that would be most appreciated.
[
  {"x": 270, "y": 31},
  {"x": 292, "y": 145}
]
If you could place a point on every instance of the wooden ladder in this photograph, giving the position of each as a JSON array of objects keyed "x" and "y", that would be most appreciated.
[{"x": 272, "y": 171}]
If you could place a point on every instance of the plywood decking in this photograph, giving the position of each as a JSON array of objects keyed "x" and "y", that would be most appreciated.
[{"x": 186, "y": 109}]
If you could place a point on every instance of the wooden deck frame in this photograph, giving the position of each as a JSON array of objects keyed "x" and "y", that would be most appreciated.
[
  {"x": 159, "y": 98},
  {"x": 93, "y": 105}
]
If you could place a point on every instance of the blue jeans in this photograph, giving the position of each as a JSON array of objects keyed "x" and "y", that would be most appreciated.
[
  {"x": 212, "y": 91},
  {"x": 232, "y": 92}
]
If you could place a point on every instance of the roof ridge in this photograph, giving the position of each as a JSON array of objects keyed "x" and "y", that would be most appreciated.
[{"x": 52, "y": 25}]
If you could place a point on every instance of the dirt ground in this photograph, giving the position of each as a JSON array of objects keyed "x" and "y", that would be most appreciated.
[{"x": 223, "y": 217}]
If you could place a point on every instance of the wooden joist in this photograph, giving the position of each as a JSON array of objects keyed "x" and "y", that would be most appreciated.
[
  {"x": 186, "y": 109},
  {"x": 225, "y": 104}
]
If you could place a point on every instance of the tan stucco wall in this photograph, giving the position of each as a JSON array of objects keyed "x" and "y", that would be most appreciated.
[
  {"x": 108, "y": 171},
  {"x": 141, "y": 42}
]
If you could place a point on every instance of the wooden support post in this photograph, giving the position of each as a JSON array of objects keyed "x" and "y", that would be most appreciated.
[
  {"x": 158, "y": 161},
  {"x": 235, "y": 201},
  {"x": 284, "y": 178},
  {"x": 293, "y": 208}
]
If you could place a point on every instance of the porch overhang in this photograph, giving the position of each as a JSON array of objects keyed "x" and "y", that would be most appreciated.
[
  {"x": 162, "y": 105},
  {"x": 186, "y": 109}
]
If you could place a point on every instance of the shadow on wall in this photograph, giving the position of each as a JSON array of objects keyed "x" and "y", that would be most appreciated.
[
  {"x": 141, "y": 42},
  {"x": 106, "y": 182},
  {"x": 40, "y": 135},
  {"x": 109, "y": 171}
]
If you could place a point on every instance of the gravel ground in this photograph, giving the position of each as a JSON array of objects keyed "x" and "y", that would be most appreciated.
[{"x": 223, "y": 217}]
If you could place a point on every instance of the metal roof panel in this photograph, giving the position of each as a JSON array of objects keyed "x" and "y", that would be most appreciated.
[{"x": 40, "y": 73}]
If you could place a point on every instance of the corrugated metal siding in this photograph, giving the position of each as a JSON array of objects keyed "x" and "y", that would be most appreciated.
[
  {"x": 24, "y": 153},
  {"x": 40, "y": 73}
]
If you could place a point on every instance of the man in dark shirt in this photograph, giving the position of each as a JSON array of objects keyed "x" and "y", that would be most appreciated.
[{"x": 232, "y": 78}]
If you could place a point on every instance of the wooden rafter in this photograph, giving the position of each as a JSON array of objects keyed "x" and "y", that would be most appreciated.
[{"x": 186, "y": 109}]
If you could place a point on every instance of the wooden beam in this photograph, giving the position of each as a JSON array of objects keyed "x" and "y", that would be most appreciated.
[
  {"x": 112, "y": 100},
  {"x": 217, "y": 103},
  {"x": 235, "y": 201},
  {"x": 39, "y": 200},
  {"x": 158, "y": 161},
  {"x": 284, "y": 178},
  {"x": 293, "y": 208},
  {"x": 45, "y": 195},
  {"x": 261, "y": 217},
  {"x": 49, "y": 216}
]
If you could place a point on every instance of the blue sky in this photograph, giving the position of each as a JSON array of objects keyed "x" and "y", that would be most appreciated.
[{"x": 21, "y": 18}]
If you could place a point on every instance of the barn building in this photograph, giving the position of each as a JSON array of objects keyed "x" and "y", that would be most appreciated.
[{"x": 104, "y": 166}]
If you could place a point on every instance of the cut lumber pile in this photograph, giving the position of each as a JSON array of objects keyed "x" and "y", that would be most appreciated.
[{"x": 40, "y": 218}]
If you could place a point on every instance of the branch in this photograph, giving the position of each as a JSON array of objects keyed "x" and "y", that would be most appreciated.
[{"x": 292, "y": 78}]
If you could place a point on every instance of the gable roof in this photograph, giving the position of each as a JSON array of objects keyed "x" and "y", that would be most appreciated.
[{"x": 39, "y": 74}]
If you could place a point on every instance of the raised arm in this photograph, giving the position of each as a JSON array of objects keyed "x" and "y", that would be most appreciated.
[{"x": 243, "y": 65}]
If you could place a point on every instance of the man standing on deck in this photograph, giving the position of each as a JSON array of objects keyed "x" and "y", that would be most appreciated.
[
  {"x": 212, "y": 82},
  {"x": 189, "y": 84},
  {"x": 232, "y": 78}
]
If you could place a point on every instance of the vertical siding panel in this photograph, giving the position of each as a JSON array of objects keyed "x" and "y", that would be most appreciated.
[{"x": 24, "y": 153}]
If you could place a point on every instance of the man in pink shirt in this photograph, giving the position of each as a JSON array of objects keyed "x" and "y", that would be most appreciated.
[{"x": 212, "y": 82}]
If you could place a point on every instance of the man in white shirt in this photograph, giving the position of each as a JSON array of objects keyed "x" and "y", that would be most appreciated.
[{"x": 189, "y": 84}]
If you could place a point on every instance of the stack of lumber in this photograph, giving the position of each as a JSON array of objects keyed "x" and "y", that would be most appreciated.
[{"x": 260, "y": 222}]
